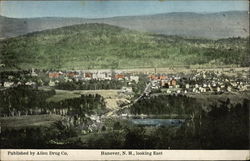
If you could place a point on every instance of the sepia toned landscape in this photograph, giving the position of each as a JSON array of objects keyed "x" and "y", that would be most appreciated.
[{"x": 159, "y": 81}]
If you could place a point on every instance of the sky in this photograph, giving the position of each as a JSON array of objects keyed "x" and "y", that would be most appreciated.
[{"x": 103, "y": 9}]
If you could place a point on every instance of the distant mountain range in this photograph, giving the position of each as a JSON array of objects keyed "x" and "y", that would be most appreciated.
[{"x": 191, "y": 25}]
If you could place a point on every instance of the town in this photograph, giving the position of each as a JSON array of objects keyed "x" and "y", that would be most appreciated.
[{"x": 202, "y": 81}]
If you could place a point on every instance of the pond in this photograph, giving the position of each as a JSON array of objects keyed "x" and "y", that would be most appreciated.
[{"x": 158, "y": 122}]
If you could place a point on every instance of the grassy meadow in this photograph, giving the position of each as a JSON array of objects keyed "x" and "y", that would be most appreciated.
[{"x": 29, "y": 121}]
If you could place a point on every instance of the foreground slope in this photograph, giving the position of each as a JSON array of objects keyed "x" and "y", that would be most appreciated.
[{"x": 89, "y": 46}]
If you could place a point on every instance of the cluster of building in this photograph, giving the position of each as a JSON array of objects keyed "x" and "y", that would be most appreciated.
[
  {"x": 163, "y": 81},
  {"x": 69, "y": 76},
  {"x": 199, "y": 82},
  {"x": 66, "y": 76},
  {"x": 93, "y": 75},
  {"x": 194, "y": 82},
  {"x": 13, "y": 79}
]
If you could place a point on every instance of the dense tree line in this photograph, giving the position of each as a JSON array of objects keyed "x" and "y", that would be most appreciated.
[
  {"x": 38, "y": 137},
  {"x": 228, "y": 126},
  {"x": 164, "y": 104},
  {"x": 86, "y": 104},
  {"x": 23, "y": 100},
  {"x": 4, "y": 75},
  {"x": 91, "y": 85}
]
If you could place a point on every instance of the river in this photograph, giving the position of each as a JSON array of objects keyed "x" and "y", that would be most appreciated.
[{"x": 158, "y": 122}]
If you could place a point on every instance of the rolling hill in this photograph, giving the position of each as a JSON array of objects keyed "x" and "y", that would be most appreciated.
[
  {"x": 196, "y": 25},
  {"x": 96, "y": 46}
]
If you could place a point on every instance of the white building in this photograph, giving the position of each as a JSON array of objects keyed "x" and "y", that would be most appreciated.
[
  {"x": 30, "y": 83},
  {"x": 126, "y": 90},
  {"x": 52, "y": 83},
  {"x": 134, "y": 78},
  {"x": 229, "y": 89},
  {"x": 8, "y": 84},
  {"x": 33, "y": 73}
]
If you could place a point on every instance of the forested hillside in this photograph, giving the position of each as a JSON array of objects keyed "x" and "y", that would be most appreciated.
[
  {"x": 95, "y": 46},
  {"x": 188, "y": 24}
]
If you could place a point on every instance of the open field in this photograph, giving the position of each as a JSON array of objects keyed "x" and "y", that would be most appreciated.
[
  {"x": 29, "y": 121},
  {"x": 104, "y": 93},
  {"x": 176, "y": 69},
  {"x": 62, "y": 95},
  {"x": 111, "y": 97}
]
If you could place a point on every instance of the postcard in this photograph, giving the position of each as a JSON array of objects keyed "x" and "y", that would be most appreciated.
[{"x": 124, "y": 80}]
